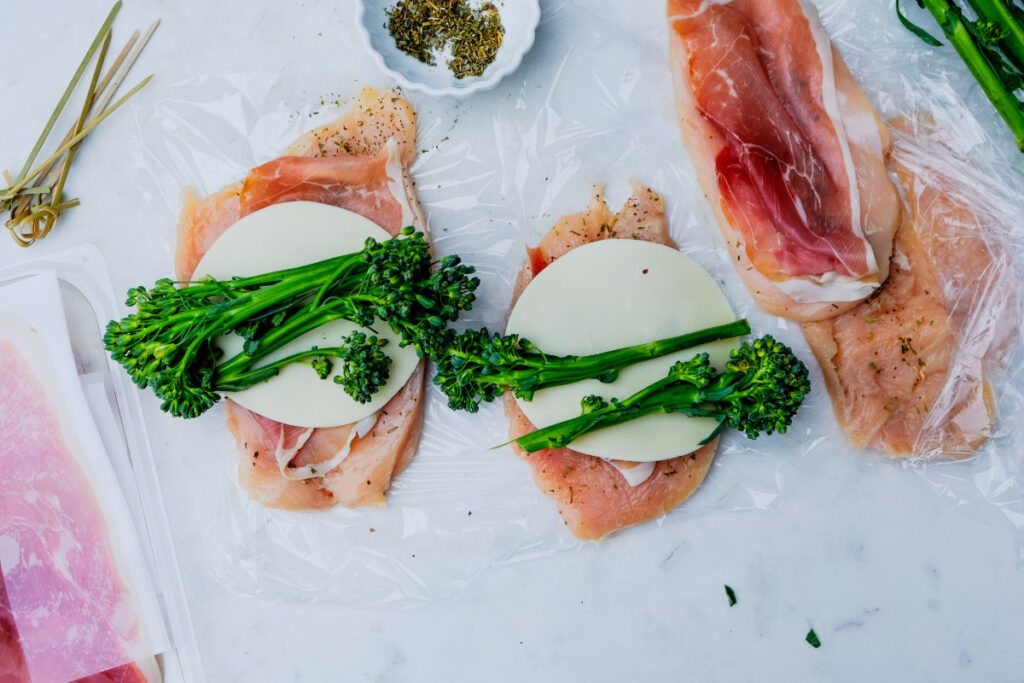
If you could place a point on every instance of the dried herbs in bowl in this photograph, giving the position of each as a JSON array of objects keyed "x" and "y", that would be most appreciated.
[{"x": 467, "y": 38}]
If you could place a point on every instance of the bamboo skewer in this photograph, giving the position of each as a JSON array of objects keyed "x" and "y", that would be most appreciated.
[{"x": 35, "y": 197}]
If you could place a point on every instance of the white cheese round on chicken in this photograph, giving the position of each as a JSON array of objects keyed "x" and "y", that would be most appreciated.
[
  {"x": 289, "y": 235},
  {"x": 611, "y": 294}
]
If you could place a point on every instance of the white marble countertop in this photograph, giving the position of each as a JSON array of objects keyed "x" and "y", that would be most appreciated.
[{"x": 899, "y": 582}]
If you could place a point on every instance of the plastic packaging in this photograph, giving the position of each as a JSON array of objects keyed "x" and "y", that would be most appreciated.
[
  {"x": 86, "y": 300},
  {"x": 493, "y": 174},
  {"x": 956, "y": 141}
]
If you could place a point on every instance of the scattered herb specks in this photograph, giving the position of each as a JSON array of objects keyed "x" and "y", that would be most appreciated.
[
  {"x": 731, "y": 594},
  {"x": 812, "y": 638}
]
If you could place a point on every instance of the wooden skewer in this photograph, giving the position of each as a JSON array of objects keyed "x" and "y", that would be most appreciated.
[
  {"x": 32, "y": 219},
  {"x": 52, "y": 176},
  {"x": 58, "y": 190}
]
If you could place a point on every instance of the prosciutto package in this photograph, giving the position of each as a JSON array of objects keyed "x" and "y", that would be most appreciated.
[
  {"x": 788, "y": 150},
  {"x": 75, "y": 603}
]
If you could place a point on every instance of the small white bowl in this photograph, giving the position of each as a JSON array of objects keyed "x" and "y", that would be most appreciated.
[{"x": 519, "y": 17}]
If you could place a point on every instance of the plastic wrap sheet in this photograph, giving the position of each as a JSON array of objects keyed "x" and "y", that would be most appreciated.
[
  {"x": 591, "y": 104},
  {"x": 954, "y": 140}
]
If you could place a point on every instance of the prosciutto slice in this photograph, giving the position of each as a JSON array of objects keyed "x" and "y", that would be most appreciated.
[
  {"x": 594, "y": 496},
  {"x": 65, "y": 612},
  {"x": 359, "y": 163},
  {"x": 787, "y": 149}
]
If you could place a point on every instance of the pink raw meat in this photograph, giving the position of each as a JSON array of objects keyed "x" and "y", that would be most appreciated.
[
  {"x": 12, "y": 659},
  {"x": 64, "y": 595}
]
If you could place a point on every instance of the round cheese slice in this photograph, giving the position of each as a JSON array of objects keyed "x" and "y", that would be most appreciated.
[
  {"x": 288, "y": 235},
  {"x": 611, "y": 294}
]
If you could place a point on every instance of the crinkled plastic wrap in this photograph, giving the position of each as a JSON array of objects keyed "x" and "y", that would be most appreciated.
[
  {"x": 592, "y": 103},
  {"x": 947, "y": 134}
]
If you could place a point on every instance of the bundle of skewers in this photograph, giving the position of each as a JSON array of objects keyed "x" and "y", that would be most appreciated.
[{"x": 35, "y": 197}]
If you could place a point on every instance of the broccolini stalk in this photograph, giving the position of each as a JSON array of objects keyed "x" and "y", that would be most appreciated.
[
  {"x": 476, "y": 366},
  {"x": 365, "y": 367},
  {"x": 170, "y": 343},
  {"x": 992, "y": 48},
  {"x": 762, "y": 388},
  {"x": 1006, "y": 24}
]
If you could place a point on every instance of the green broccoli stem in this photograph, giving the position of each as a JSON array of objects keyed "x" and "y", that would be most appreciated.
[
  {"x": 997, "y": 12},
  {"x": 950, "y": 19},
  {"x": 296, "y": 326},
  {"x": 318, "y": 268},
  {"x": 316, "y": 315},
  {"x": 283, "y": 290},
  {"x": 241, "y": 380},
  {"x": 543, "y": 371},
  {"x": 760, "y": 391},
  {"x": 241, "y": 309},
  {"x": 223, "y": 317},
  {"x": 667, "y": 395},
  {"x": 169, "y": 344}
]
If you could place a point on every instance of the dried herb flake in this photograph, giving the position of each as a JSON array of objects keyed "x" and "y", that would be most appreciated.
[{"x": 812, "y": 638}]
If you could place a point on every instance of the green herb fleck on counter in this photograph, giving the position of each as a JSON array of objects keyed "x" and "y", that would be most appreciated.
[
  {"x": 731, "y": 594},
  {"x": 812, "y": 638}
]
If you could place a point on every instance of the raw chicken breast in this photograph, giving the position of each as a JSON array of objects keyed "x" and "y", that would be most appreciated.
[
  {"x": 359, "y": 162},
  {"x": 908, "y": 370},
  {"x": 593, "y": 496},
  {"x": 362, "y": 477},
  {"x": 788, "y": 151}
]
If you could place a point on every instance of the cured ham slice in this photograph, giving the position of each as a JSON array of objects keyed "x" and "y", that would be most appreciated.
[
  {"x": 65, "y": 612},
  {"x": 338, "y": 164},
  {"x": 363, "y": 476},
  {"x": 593, "y": 495},
  {"x": 788, "y": 150},
  {"x": 908, "y": 370},
  {"x": 359, "y": 162},
  {"x": 13, "y": 668}
]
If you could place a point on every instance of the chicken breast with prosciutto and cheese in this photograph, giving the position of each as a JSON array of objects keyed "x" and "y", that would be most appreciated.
[
  {"x": 787, "y": 149},
  {"x": 595, "y": 495},
  {"x": 360, "y": 163}
]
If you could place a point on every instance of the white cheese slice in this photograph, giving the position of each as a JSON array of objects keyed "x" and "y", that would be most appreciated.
[
  {"x": 607, "y": 295},
  {"x": 635, "y": 475},
  {"x": 827, "y": 287},
  {"x": 293, "y": 234}
]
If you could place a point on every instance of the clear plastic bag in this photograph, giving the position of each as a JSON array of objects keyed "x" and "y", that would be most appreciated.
[
  {"x": 957, "y": 142},
  {"x": 493, "y": 174}
]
